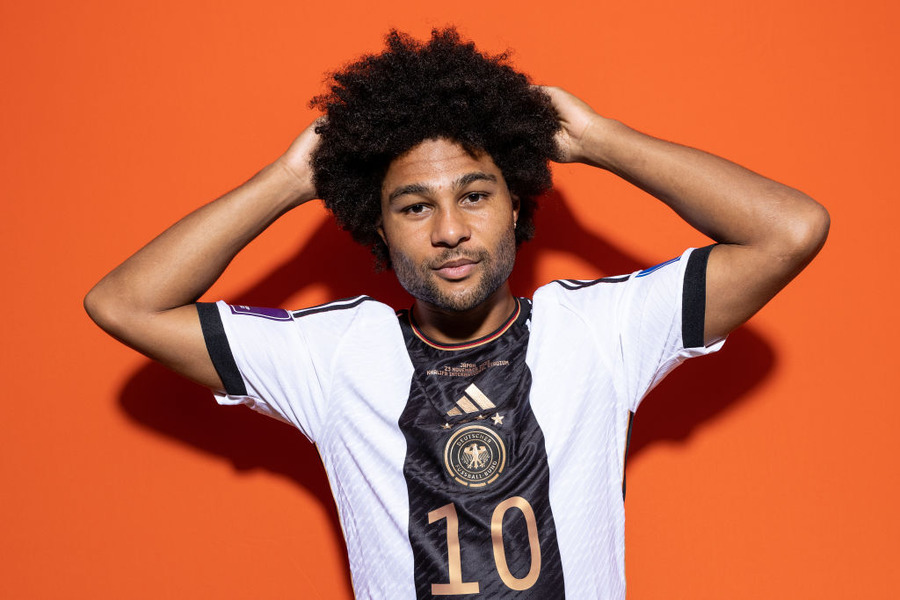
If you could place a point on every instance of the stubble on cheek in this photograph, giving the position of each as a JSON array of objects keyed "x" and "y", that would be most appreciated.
[{"x": 422, "y": 283}]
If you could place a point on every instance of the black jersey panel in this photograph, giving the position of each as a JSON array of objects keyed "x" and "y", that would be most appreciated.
[{"x": 477, "y": 474}]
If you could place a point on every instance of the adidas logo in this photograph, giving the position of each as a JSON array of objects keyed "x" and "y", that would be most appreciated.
[{"x": 472, "y": 401}]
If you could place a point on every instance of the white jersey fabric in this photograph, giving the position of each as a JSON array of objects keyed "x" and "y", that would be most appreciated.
[{"x": 422, "y": 443}]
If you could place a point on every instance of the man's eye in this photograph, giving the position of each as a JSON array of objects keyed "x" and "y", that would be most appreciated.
[
  {"x": 414, "y": 209},
  {"x": 475, "y": 196}
]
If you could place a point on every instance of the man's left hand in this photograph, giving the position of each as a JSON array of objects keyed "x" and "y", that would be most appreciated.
[{"x": 577, "y": 120}]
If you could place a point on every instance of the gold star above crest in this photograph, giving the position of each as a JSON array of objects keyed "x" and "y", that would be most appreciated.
[
  {"x": 445, "y": 426},
  {"x": 479, "y": 418},
  {"x": 497, "y": 419}
]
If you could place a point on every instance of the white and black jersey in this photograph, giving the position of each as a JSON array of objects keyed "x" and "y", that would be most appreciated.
[{"x": 493, "y": 468}]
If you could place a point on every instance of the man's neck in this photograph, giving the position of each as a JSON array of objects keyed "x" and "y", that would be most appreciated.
[{"x": 446, "y": 327}]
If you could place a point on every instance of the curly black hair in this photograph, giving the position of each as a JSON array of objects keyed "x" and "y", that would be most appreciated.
[{"x": 383, "y": 105}]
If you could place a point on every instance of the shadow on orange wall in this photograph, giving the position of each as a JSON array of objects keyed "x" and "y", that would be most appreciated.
[{"x": 163, "y": 401}]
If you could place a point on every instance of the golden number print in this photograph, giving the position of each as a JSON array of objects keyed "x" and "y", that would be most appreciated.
[
  {"x": 454, "y": 553},
  {"x": 456, "y": 585},
  {"x": 500, "y": 552}
]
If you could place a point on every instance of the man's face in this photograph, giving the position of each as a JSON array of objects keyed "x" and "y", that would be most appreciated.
[{"x": 449, "y": 224}]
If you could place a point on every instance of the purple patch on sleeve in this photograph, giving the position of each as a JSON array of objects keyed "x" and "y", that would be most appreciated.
[{"x": 273, "y": 314}]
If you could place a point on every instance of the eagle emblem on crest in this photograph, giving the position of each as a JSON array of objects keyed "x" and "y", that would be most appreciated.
[{"x": 475, "y": 456}]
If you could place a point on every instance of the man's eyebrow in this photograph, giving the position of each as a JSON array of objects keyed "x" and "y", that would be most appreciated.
[
  {"x": 413, "y": 188},
  {"x": 473, "y": 177},
  {"x": 461, "y": 182}
]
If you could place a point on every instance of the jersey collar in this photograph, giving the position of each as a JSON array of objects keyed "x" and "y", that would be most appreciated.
[{"x": 513, "y": 317}]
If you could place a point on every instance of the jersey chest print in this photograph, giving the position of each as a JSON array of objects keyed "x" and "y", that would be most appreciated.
[{"x": 476, "y": 469}]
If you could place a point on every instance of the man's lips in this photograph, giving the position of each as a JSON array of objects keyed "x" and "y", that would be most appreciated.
[{"x": 456, "y": 268}]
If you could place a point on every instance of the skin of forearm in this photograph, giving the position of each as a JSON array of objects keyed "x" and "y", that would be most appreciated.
[
  {"x": 147, "y": 301},
  {"x": 723, "y": 200},
  {"x": 179, "y": 265}
]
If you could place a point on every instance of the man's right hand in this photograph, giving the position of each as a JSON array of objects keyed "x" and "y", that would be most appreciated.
[
  {"x": 296, "y": 162},
  {"x": 147, "y": 302}
]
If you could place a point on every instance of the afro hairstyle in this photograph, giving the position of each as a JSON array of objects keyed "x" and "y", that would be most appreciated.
[{"x": 383, "y": 105}]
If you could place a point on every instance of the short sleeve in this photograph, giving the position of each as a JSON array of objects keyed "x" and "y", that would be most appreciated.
[
  {"x": 644, "y": 324},
  {"x": 266, "y": 361},
  {"x": 660, "y": 321}
]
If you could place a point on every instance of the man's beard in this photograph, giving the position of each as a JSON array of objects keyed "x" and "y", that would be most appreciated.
[{"x": 422, "y": 282}]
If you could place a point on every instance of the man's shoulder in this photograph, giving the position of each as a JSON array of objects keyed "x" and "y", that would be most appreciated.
[
  {"x": 344, "y": 308},
  {"x": 359, "y": 317},
  {"x": 576, "y": 291},
  {"x": 332, "y": 319},
  {"x": 572, "y": 287}
]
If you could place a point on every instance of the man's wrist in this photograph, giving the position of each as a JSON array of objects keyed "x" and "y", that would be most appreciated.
[
  {"x": 598, "y": 141},
  {"x": 288, "y": 186}
]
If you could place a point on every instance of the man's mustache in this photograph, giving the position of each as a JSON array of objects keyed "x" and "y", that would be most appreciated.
[{"x": 453, "y": 255}]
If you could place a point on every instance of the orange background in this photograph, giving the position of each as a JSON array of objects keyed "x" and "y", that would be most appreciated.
[{"x": 767, "y": 471}]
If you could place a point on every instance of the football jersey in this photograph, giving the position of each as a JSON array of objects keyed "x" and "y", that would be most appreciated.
[{"x": 493, "y": 468}]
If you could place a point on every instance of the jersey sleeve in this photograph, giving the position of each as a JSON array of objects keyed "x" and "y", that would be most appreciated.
[
  {"x": 660, "y": 321},
  {"x": 271, "y": 361},
  {"x": 646, "y": 323}
]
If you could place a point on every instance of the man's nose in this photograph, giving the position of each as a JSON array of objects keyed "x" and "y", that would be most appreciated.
[{"x": 450, "y": 227}]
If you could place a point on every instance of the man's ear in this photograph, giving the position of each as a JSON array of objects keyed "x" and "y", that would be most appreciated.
[
  {"x": 380, "y": 229},
  {"x": 515, "y": 208}
]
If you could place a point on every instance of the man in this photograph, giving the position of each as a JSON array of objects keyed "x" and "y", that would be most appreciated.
[{"x": 475, "y": 444}]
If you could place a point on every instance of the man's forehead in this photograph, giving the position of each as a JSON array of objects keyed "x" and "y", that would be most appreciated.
[
  {"x": 439, "y": 146},
  {"x": 438, "y": 163}
]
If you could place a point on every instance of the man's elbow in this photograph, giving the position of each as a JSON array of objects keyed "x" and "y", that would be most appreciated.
[
  {"x": 804, "y": 232},
  {"x": 102, "y": 308},
  {"x": 94, "y": 306}
]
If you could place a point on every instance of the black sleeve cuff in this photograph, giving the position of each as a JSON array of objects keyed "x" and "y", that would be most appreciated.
[
  {"x": 219, "y": 350},
  {"x": 693, "y": 299}
]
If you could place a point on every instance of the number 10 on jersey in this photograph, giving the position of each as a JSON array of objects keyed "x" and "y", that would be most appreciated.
[{"x": 456, "y": 584}]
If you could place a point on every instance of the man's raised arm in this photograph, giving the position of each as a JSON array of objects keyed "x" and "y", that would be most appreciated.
[
  {"x": 147, "y": 301},
  {"x": 767, "y": 232}
]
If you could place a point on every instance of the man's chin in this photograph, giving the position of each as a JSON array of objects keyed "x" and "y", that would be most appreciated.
[
  {"x": 468, "y": 296},
  {"x": 452, "y": 304}
]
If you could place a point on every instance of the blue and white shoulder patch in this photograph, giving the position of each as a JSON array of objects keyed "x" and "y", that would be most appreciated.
[{"x": 646, "y": 272}]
